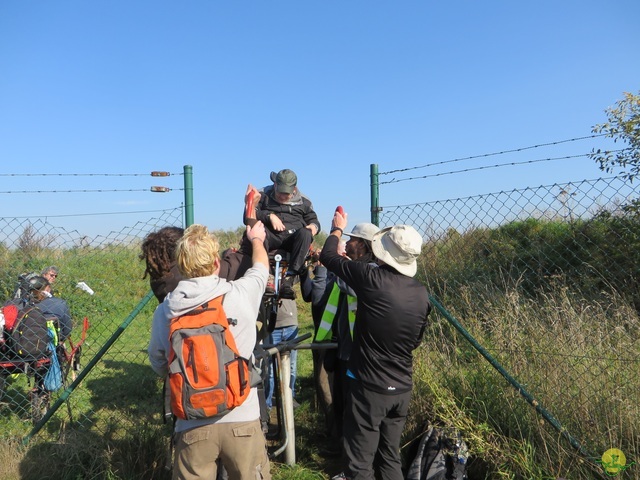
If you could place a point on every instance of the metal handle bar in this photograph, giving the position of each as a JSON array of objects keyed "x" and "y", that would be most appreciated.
[{"x": 292, "y": 344}]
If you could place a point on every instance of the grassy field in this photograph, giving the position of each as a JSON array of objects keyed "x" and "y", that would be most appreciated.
[
  {"x": 453, "y": 387},
  {"x": 579, "y": 358}
]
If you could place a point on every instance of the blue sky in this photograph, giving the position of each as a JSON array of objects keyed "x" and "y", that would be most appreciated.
[{"x": 238, "y": 89}]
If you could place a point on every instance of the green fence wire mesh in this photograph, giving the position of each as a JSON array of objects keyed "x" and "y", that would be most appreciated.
[
  {"x": 101, "y": 279},
  {"x": 546, "y": 280}
]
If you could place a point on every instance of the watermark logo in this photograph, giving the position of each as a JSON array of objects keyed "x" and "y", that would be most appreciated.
[{"x": 613, "y": 461}]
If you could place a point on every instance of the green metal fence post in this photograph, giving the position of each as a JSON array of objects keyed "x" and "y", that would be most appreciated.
[
  {"x": 92, "y": 363},
  {"x": 375, "y": 208},
  {"x": 188, "y": 195}
]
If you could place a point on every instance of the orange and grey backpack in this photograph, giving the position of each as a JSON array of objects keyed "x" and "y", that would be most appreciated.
[{"x": 207, "y": 375}]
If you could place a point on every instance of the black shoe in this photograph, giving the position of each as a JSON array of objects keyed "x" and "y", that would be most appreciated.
[{"x": 286, "y": 288}]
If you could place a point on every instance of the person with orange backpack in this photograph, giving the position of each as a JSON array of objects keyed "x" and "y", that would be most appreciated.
[{"x": 203, "y": 319}]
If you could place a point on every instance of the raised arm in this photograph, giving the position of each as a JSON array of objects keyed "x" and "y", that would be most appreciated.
[{"x": 256, "y": 236}]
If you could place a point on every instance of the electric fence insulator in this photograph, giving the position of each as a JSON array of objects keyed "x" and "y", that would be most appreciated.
[
  {"x": 160, "y": 174},
  {"x": 160, "y": 189}
]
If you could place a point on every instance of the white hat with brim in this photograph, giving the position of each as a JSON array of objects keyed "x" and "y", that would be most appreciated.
[
  {"x": 398, "y": 247},
  {"x": 365, "y": 231}
]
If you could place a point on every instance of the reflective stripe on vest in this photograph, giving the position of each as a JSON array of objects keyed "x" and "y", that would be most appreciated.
[
  {"x": 329, "y": 314},
  {"x": 53, "y": 333}
]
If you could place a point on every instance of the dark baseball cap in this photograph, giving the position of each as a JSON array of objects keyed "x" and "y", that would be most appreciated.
[
  {"x": 37, "y": 283},
  {"x": 285, "y": 180}
]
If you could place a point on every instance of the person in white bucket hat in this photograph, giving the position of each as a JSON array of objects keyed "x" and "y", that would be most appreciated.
[
  {"x": 398, "y": 247},
  {"x": 390, "y": 321}
]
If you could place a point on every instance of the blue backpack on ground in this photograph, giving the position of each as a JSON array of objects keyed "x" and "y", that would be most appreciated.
[{"x": 440, "y": 454}]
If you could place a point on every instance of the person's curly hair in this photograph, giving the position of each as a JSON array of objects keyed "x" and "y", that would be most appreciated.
[{"x": 158, "y": 251}]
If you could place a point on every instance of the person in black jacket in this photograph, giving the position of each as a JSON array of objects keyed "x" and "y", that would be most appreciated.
[
  {"x": 333, "y": 306},
  {"x": 51, "y": 274},
  {"x": 390, "y": 320},
  {"x": 57, "y": 309},
  {"x": 290, "y": 220}
]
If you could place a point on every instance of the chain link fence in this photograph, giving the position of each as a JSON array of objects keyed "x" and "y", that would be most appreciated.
[
  {"x": 101, "y": 279},
  {"x": 545, "y": 280}
]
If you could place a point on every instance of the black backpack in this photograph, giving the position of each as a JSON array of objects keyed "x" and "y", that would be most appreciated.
[
  {"x": 29, "y": 338},
  {"x": 440, "y": 454}
]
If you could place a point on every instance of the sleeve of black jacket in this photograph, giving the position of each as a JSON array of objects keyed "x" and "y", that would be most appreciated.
[{"x": 390, "y": 321}]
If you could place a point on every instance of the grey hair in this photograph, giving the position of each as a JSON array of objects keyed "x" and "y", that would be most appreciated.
[{"x": 51, "y": 268}]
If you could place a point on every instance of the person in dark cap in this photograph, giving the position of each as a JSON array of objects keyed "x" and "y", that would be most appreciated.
[{"x": 290, "y": 220}]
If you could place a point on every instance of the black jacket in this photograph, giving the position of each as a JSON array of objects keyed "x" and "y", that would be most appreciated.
[
  {"x": 295, "y": 214},
  {"x": 390, "y": 320}
]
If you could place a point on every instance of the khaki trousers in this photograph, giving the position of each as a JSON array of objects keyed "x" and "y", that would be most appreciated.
[{"x": 240, "y": 446}]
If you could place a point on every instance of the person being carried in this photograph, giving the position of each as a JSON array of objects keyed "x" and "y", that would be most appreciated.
[
  {"x": 236, "y": 438},
  {"x": 290, "y": 220}
]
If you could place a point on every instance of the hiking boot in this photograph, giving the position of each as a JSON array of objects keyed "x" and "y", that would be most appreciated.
[
  {"x": 286, "y": 288},
  {"x": 271, "y": 287},
  {"x": 340, "y": 476}
]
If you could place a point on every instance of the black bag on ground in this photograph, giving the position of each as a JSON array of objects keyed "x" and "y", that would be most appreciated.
[
  {"x": 29, "y": 338},
  {"x": 440, "y": 454}
]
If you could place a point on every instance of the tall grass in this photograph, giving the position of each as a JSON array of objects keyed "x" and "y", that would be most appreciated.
[{"x": 578, "y": 359}]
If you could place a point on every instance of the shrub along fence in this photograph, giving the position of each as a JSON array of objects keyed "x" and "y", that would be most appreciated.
[{"x": 537, "y": 333}]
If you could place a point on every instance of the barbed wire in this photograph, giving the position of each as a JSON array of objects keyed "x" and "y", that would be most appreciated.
[
  {"x": 164, "y": 174},
  {"x": 164, "y": 189},
  {"x": 485, "y": 167},
  {"x": 492, "y": 154},
  {"x": 91, "y": 214}
]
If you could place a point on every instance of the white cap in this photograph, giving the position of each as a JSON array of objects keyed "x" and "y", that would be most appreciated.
[{"x": 366, "y": 231}]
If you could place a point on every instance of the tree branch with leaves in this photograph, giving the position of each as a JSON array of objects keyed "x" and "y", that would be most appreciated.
[{"x": 623, "y": 126}]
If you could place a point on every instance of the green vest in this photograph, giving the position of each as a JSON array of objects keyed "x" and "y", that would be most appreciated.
[
  {"x": 53, "y": 332},
  {"x": 329, "y": 314}
]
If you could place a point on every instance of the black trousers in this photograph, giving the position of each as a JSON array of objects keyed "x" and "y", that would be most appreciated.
[
  {"x": 340, "y": 392},
  {"x": 296, "y": 243},
  {"x": 373, "y": 424}
]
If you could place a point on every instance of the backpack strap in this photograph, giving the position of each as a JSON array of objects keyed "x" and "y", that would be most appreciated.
[
  {"x": 205, "y": 306},
  {"x": 22, "y": 314}
]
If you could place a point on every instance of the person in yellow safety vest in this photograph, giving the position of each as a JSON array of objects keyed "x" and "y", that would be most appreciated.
[{"x": 338, "y": 317}]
